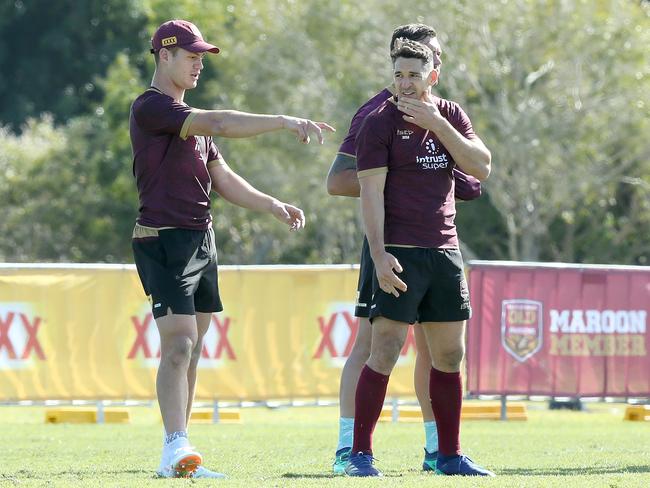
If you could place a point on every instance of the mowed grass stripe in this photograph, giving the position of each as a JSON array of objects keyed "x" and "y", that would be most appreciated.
[{"x": 294, "y": 447}]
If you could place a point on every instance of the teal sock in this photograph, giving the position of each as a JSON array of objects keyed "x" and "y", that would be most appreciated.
[
  {"x": 346, "y": 432},
  {"x": 431, "y": 436}
]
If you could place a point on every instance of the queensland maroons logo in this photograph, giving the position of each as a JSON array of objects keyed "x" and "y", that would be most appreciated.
[{"x": 521, "y": 328}]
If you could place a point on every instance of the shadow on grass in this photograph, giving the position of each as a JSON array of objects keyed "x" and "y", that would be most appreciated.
[
  {"x": 95, "y": 472},
  {"x": 330, "y": 475},
  {"x": 24, "y": 474},
  {"x": 573, "y": 471}
]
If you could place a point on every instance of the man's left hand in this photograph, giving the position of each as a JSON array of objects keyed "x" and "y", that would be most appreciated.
[
  {"x": 423, "y": 113},
  {"x": 290, "y": 215}
]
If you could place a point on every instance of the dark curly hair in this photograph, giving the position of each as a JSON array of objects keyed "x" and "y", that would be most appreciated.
[
  {"x": 411, "y": 49},
  {"x": 412, "y": 32}
]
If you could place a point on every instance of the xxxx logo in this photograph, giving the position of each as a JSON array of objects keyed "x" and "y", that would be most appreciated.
[
  {"x": 19, "y": 328},
  {"x": 327, "y": 341},
  {"x": 339, "y": 330},
  {"x": 216, "y": 344}
]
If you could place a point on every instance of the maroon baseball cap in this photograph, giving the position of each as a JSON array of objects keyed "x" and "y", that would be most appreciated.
[{"x": 183, "y": 34}]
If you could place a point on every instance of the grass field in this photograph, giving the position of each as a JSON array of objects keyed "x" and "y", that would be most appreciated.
[{"x": 294, "y": 447}]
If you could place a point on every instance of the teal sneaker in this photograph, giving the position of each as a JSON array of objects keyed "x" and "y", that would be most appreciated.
[
  {"x": 430, "y": 458},
  {"x": 341, "y": 460},
  {"x": 460, "y": 466}
]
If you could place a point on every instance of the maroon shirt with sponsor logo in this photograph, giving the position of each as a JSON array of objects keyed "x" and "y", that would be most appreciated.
[
  {"x": 466, "y": 187},
  {"x": 419, "y": 190},
  {"x": 170, "y": 167}
]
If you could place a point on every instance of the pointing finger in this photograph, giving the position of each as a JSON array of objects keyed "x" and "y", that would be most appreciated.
[{"x": 325, "y": 126}]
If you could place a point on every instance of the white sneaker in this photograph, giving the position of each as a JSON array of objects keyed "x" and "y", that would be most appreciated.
[
  {"x": 179, "y": 460},
  {"x": 203, "y": 472}
]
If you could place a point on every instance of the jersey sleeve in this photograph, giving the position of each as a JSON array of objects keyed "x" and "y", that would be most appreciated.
[
  {"x": 162, "y": 114},
  {"x": 214, "y": 155},
  {"x": 373, "y": 146},
  {"x": 466, "y": 186},
  {"x": 460, "y": 121},
  {"x": 349, "y": 144}
]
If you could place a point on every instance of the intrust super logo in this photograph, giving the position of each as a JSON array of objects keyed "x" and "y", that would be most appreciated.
[
  {"x": 19, "y": 343},
  {"x": 338, "y": 329},
  {"x": 435, "y": 160},
  {"x": 217, "y": 346}
]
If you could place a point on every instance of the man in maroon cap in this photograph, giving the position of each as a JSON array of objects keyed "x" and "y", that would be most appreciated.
[{"x": 176, "y": 164}]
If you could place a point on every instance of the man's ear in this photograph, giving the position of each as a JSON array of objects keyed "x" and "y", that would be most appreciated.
[
  {"x": 164, "y": 54},
  {"x": 433, "y": 77}
]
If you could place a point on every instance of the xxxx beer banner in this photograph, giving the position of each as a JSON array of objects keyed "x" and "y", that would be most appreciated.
[
  {"x": 86, "y": 332},
  {"x": 560, "y": 330}
]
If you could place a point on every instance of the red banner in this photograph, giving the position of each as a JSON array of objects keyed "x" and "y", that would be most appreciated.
[{"x": 559, "y": 330}]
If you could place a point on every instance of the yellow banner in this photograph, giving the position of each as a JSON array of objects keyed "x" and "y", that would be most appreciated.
[{"x": 86, "y": 332}]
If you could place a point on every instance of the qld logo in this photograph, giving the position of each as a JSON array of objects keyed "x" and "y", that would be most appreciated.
[{"x": 521, "y": 328}]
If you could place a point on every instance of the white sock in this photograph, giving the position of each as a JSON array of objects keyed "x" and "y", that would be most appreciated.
[
  {"x": 430, "y": 436},
  {"x": 346, "y": 432}
]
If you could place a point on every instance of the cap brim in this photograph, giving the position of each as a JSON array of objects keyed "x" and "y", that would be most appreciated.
[{"x": 201, "y": 47}]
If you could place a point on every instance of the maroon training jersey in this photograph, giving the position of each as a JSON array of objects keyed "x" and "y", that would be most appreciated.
[
  {"x": 466, "y": 187},
  {"x": 170, "y": 168},
  {"x": 419, "y": 191}
]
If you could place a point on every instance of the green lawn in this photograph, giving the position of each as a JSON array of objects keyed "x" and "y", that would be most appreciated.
[{"x": 294, "y": 447}]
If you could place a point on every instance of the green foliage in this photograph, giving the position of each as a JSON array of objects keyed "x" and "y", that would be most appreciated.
[
  {"x": 51, "y": 53},
  {"x": 558, "y": 91}
]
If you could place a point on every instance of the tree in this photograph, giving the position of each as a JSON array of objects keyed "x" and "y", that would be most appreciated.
[
  {"x": 564, "y": 107},
  {"x": 558, "y": 90},
  {"x": 53, "y": 52}
]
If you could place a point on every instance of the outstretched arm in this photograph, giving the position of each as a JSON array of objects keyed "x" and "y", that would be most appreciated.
[
  {"x": 231, "y": 123},
  {"x": 236, "y": 190}
]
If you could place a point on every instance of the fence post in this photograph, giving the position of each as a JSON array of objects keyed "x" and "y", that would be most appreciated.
[
  {"x": 215, "y": 412},
  {"x": 100, "y": 412},
  {"x": 395, "y": 411}
]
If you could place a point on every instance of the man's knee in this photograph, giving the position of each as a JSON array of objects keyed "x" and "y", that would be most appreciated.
[
  {"x": 450, "y": 359},
  {"x": 178, "y": 350},
  {"x": 360, "y": 351},
  {"x": 196, "y": 352},
  {"x": 385, "y": 354}
]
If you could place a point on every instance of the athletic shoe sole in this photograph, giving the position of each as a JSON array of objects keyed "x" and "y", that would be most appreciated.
[{"x": 186, "y": 465}]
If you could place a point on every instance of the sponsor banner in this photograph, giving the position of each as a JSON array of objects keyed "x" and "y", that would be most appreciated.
[
  {"x": 87, "y": 332},
  {"x": 561, "y": 330}
]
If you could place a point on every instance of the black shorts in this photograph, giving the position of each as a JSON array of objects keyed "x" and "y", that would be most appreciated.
[
  {"x": 437, "y": 289},
  {"x": 364, "y": 287},
  {"x": 178, "y": 270}
]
